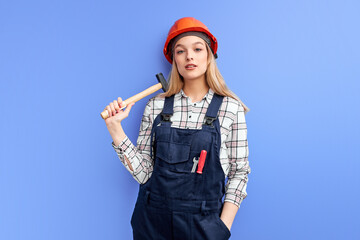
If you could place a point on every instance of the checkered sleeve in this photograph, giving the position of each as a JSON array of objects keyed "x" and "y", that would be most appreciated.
[
  {"x": 237, "y": 149},
  {"x": 137, "y": 159}
]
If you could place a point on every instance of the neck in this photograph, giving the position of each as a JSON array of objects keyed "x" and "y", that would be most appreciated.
[{"x": 196, "y": 89}]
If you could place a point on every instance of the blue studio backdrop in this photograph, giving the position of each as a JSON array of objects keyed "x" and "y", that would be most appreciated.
[{"x": 295, "y": 64}]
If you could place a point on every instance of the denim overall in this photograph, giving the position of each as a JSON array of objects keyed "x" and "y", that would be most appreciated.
[{"x": 176, "y": 202}]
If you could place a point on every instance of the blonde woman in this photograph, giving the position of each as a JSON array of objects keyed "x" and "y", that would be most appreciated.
[{"x": 191, "y": 139}]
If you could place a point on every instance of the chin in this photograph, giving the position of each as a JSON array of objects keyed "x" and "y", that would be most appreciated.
[{"x": 192, "y": 76}]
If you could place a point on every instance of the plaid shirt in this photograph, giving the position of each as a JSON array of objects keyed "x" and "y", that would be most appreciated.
[{"x": 234, "y": 146}]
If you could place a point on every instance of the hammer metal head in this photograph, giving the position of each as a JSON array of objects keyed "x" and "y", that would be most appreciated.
[{"x": 162, "y": 80}]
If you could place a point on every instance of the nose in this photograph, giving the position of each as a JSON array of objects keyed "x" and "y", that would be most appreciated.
[{"x": 189, "y": 56}]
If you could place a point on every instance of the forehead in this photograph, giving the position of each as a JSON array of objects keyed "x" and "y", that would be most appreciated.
[{"x": 189, "y": 40}]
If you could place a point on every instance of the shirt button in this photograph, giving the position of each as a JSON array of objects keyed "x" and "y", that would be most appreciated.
[
  {"x": 195, "y": 104},
  {"x": 190, "y": 116}
]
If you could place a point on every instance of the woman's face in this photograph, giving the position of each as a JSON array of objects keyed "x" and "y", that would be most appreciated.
[{"x": 190, "y": 55}]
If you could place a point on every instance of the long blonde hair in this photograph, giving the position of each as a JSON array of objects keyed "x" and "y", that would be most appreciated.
[{"x": 213, "y": 78}]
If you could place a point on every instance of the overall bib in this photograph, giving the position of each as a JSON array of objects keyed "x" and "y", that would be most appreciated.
[{"x": 176, "y": 202}]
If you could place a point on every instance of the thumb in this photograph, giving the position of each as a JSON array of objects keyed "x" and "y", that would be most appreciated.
[{"x": 128, "y": 108}]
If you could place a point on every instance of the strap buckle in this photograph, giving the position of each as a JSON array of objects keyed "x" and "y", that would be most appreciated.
[
  {"x": 209, "y": 121},
  {"x": 165, "y": 117}
]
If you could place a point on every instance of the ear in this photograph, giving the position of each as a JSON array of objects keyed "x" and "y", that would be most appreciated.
[
  {"x": 209, "y": 58},
  {"x": 209, "y": 52}
]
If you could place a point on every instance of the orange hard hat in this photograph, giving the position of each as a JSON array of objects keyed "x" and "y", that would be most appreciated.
[{"x": 187, "y": 24}]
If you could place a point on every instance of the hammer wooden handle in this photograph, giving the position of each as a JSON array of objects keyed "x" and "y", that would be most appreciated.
[{"x": 135, "y": 98}]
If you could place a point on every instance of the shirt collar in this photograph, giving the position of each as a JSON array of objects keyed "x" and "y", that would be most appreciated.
[{"x": 208, "y": 96}]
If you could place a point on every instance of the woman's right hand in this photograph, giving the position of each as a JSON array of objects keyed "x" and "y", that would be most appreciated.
[{"x": 115, "y": 114}]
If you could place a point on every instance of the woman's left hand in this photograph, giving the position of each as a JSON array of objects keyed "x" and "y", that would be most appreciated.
[
  {"x": 228, "y": 214},
  {"x": 227, "y": 223}
]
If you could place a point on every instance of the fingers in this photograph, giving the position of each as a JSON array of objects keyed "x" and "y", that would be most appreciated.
[
  {"x": 120, "y": 102},
  {"x": 108, "y": 109},
  {"x": 114, "y": 107}
]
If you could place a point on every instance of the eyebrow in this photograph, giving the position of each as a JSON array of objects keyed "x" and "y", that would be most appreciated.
[{"x": 180, "y": 45}]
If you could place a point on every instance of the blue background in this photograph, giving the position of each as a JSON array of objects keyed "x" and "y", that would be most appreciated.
[{"x": 294, "y": 63}]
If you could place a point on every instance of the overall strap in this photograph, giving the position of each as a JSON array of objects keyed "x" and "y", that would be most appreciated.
[
  {"x": 213, "y": 109},
  {"x": 168, "y": 105},
  {"x": 163, "y": 117}
]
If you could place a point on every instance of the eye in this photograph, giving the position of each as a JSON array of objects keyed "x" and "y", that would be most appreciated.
[
  {"x": 198, "y": 49},
  {"x": 179, "y": 51}
]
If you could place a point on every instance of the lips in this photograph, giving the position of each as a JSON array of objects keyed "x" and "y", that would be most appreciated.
[{"x": 190, "y": 66}]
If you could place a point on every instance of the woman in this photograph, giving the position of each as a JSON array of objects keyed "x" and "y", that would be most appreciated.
[{"x": 198, "y": 112}]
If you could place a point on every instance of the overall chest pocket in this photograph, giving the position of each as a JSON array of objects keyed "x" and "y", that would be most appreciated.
[{"x": 173, "y": 156}]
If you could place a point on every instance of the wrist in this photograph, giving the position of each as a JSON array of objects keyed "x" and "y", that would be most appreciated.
[{"x": 117, "y": 139}]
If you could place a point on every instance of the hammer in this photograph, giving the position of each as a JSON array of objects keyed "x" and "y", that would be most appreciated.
[{"x": 162, "y": 84}]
